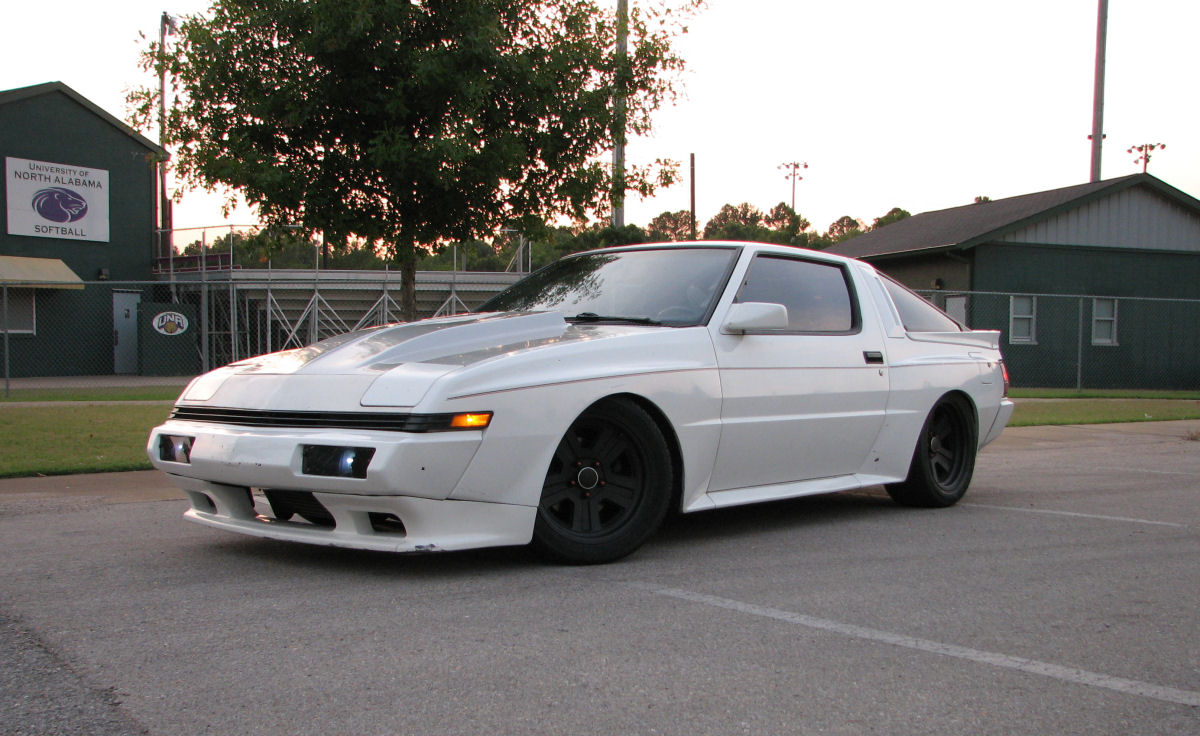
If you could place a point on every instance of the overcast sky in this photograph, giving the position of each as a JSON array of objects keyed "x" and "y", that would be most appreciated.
[{"x": 923, "y": 104}]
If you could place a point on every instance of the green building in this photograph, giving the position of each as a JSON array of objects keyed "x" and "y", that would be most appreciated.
[
  {"x": 1092, "y": 286},
  {"x": 79, "y": 201}
]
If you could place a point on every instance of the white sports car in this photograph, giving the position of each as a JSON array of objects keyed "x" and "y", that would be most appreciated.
[{"x": 585, "y": 402}]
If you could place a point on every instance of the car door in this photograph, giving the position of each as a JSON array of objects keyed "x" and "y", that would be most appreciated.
[{"x": 806, "y": 401}]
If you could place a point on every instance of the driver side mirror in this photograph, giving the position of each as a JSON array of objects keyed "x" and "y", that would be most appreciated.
[{"x": 753, "y": 316}]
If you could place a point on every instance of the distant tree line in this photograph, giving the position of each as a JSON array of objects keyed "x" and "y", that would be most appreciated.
[{"x": 282, "y": 249}]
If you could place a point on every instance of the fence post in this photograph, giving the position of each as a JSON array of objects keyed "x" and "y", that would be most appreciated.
[
  {"x": 1079, "y": 352},
  {"x": 4, "y": 318},
  {"x": 233, "y": 352},
  {"x": 204, "y": 336}
]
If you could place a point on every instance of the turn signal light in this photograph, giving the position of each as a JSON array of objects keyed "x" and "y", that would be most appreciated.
[{"x": 471, "y": 420}]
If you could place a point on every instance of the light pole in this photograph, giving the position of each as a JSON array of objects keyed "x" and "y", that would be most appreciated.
[
  {"x": 620, "y": 115},
  {"x": 166, "y": 27},
  {"x": 1144, "y": 153},
  {"x": 793, "y": 169}
]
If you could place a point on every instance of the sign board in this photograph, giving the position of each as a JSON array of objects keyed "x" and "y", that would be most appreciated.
[
  {"x": 49, "y": 200},
  {"x": 170, "y": 323}
]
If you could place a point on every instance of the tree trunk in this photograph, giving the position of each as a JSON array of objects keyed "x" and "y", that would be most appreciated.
[{"x": 408, "y": 280}]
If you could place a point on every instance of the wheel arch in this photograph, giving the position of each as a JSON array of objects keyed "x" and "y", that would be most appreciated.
[
  {"x": 669, "y": 436},
  {"x": 970, "y": 402}
]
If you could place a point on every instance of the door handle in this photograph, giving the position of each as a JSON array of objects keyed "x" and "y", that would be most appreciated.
[{"x": 873, "y": 357}]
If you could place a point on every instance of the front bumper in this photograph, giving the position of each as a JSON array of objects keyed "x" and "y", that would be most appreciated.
[
  {"x": 424, "y": 465},
  {"x": 428, "y": 525},
  {"x": 407, "y": 484}
]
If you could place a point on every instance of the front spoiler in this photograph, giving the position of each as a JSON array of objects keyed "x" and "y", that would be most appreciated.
[{"x": 430, "y": 525}]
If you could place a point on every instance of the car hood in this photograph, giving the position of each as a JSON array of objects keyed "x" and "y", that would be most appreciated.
[{"x": 396, "y": 365}]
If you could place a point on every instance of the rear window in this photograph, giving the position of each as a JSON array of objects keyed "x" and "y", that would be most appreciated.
[{"x": 917, "y": 314}]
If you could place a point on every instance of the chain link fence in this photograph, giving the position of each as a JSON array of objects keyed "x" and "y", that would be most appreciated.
[
  {"x": 107, "y": 332},
  {"x": 1087, "y": 342},
  {"x": 104, "y": 331}
]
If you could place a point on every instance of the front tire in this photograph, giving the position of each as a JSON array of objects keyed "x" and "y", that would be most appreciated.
[
  {"x": 607, "y": 488},
  {"x": 944, "y": 460}
]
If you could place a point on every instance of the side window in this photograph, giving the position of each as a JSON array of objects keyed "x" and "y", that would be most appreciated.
[
  {"x": 1022, "y": 320},
  {"x": 817, "y": 295},
  {"x": 1104, "y": 321},
  {"x": 19, "y": 313},
  {"x": 917, "y": 314}
]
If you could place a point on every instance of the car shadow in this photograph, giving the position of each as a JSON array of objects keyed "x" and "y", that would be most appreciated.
[{"x": 679, "y": 531}]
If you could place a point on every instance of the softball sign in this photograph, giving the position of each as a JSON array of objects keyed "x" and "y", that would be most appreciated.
[{"x": 49, "y": 200}]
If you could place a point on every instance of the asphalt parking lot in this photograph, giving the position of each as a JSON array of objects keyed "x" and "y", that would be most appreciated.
[{"x": 1061, "y": 597}]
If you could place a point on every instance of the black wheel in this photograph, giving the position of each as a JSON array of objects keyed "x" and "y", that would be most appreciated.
[
  {"x": 944, "y": 461},
  {"x": 607, "y": 488}
]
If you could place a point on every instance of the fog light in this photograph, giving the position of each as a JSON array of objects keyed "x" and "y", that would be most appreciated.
[
  {"x": 174, "y": 448},
  {"x": 336, "y": 462}
]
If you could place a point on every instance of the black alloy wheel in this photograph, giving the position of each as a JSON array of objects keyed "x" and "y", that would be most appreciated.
[
  {"x": 607, "y": 488},
  {"x": 944, "y": 459}
]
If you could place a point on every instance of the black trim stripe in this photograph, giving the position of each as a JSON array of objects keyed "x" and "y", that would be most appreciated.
[{"x": 375, "y": 421}]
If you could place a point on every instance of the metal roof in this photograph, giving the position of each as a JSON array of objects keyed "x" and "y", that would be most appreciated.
[
  {"x": 960, "y": 228},
  {"x": 37, "y": 90}
]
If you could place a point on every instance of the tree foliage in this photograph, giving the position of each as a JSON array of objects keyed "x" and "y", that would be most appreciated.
[
  {"x": 844, "y": 228},
  {"x": 735, "y": 222},
  {"x": 411, "y": 123},
  {"x": 895, "y": 214},
  {"x": 671, "y": 226},
  {"x": 746, "y": 222}
]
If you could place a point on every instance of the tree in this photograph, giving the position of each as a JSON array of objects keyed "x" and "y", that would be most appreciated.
[
  {"x": 411, "y": 124},
  {"x": 784, "y": 219},
  {"x": 671, "y": 226},
  {"x": 895, "y": 214},
  {"x": 982, "y": 198},
  {"x": 735, "y": 222},
  {"x": 844, "y": 228}
]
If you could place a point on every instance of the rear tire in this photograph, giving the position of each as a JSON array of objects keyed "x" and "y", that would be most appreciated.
[
  {"x": 944, "y": 459},
  {"x": 608, "y": 486}
]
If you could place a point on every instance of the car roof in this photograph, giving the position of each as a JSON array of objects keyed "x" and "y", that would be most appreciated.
[{"x": 727, "y": 244}]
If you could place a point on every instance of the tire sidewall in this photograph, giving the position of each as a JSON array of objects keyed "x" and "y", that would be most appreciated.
[{"x": 647, "y": 515}]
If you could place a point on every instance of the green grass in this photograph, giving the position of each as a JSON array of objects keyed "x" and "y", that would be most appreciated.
[
  {"x": 143, "y": 393},
  {"x": 1102, "y": 411},
  {"x": 56, "y": 440},
  {"x": 1070, "y": 393},
  {"x": 60, "y": 438}
]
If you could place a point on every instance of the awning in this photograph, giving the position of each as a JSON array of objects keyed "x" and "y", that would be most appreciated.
[{"x": 37, "y": 273}]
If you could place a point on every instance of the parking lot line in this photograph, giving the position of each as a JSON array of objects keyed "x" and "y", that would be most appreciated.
[
  {"x": 1052, "y": 512},
  {"x": 1072, "y": 675}
]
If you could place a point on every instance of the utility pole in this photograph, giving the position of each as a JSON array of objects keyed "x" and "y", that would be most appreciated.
[
  {"x": 1144, "y": 151},
  {"x": 620, "y": 84},
  {"x": 693, "y": 182},
  {"x": 166, "y": 26},
  {"x": 1097, "y": 135},
  {"x": 793, "y": 169}
]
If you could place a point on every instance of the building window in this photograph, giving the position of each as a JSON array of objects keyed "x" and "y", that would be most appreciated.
[
  {"x": 1104, "y": 321},
  {"x": 1022, "y": 320},
  {"x": 20, "y": 311}
]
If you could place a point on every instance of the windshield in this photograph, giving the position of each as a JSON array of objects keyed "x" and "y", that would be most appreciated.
[{"x": 669, "y": 286}]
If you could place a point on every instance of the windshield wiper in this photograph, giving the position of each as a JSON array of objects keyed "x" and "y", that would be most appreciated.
[{"x": 593, "y": 317}]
